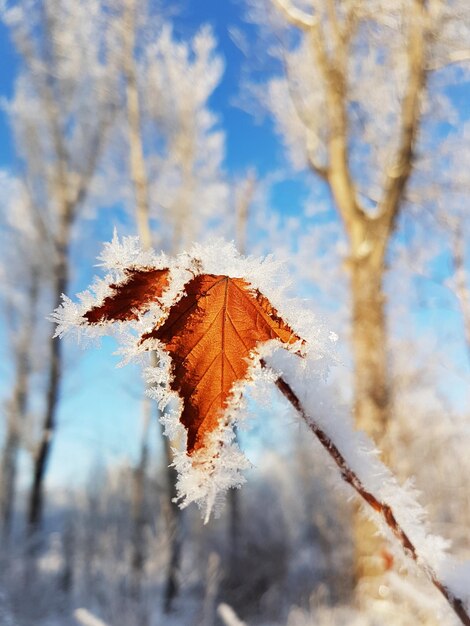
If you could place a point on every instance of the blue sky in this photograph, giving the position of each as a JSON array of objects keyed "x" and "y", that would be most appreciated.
[
  {"x": 248, "y": 143},
  {"x": 9, "y": 69},
  {"x": 102, "y": 421}
]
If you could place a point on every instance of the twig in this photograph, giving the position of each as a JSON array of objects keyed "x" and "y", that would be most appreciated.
[{"x": 383, "y": 509}]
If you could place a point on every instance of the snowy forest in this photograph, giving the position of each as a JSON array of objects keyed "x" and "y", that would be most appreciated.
[{"x": 304, "y": 166}]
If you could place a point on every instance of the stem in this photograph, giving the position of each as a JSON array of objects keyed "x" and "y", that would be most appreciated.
[{"x": 383, "y": 509}]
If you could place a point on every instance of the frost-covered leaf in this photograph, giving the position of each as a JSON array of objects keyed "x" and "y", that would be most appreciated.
[
  {"x": 132, "y": 296},
  {"x": 211, "y": 315},
  {"x": 211, "y": 334}
]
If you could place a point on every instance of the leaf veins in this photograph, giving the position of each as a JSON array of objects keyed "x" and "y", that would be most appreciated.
[
  {"x": 210, "y": 334},
  {"x": 131, "y": 297}
]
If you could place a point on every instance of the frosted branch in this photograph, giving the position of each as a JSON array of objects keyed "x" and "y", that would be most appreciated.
[
  {"x": 457, "y": 56},
  {"x": 410, "y": 118},
  {"x": 383, "y": 509}
]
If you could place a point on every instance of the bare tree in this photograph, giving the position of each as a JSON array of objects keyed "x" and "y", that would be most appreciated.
[
  {"x": 138, "y": 175},
  {"x": 20, "y": 302},
  {"x": 351, "y": 105},
  {"x": 174, "y": 154},
  {"x": 60, "y": 113}
]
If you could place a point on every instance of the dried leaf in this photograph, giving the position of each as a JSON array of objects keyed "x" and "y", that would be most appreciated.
[
  {"x": 211, "y": 334},
  {"x": 131, "y": 297}
]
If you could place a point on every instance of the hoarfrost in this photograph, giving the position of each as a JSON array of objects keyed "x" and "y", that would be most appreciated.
[{"x": 206, "y": 474}]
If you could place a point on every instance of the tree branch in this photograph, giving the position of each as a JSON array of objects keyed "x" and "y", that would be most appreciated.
[
  {"x": 305, "y": 118},
  {"x": 319, "y": 170},
  {"x": 398, "y": 175},
  {"x": 457, "y": 56},
  {"x": 382, "y": 508},
  {"x": 339, "y": 172},
  {"x": 350, "y": 25},
  {"x": 295, "y": 16},
  {"x": 96, "y": 144},
  {"x": 137, "y": 164},
  {"x": 334, "y": 22},
  {"x": 332, "y": 66}
]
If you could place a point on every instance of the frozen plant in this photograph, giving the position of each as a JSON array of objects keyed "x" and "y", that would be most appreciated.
[{"x": 218, "y": 322}]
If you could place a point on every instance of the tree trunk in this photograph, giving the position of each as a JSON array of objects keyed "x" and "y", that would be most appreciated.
[
  {"x": 175, "y": 532},
  {"x": 234, "y": 533},
  {"x": 371, "y": 402},
  {"x": 41, "y": 458},
  {"x": 17, "y": 411},
  {"x": 369, "y": 338},
  {"x": 369, "y": 236},
  {"x": 141, "y": 192},
  {"x": 8, "y": 477},
  {"x": 139, "y": 517},
  {"x": 139, "y": 180}
]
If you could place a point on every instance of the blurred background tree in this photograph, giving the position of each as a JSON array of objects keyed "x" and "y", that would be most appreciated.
[
  {"x": 359, "y": 105},
  {"x": 332, "y": 134}
]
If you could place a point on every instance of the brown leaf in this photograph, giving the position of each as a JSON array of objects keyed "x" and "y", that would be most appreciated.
[
  {"x": 132, "y": 296},
  {"x": 210, "y": 334}
]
